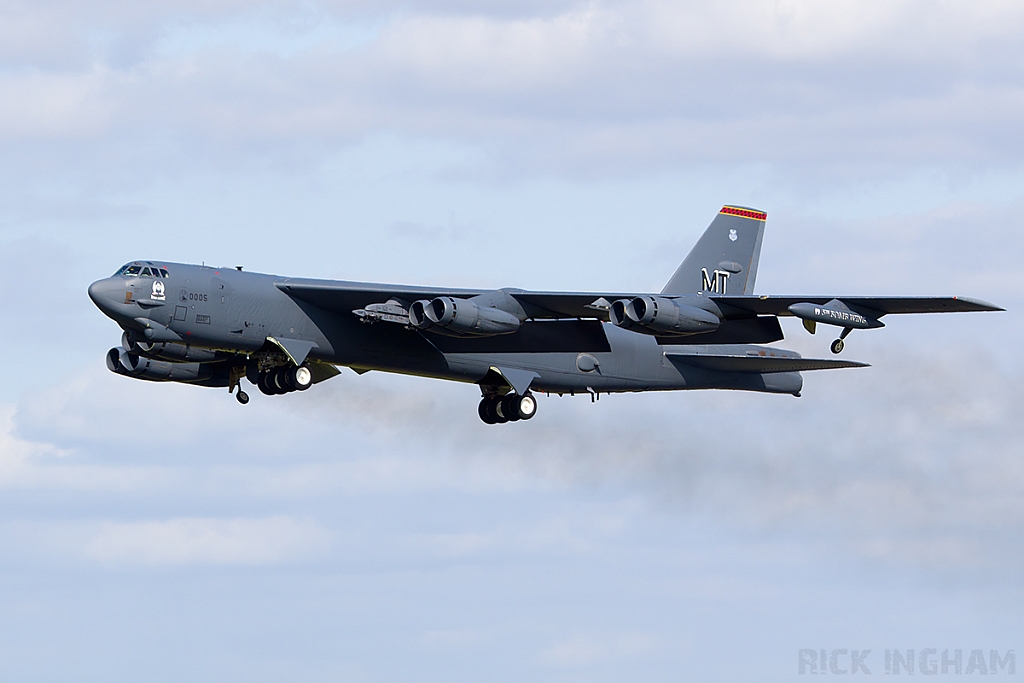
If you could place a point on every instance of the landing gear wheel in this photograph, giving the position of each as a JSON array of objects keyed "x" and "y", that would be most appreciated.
[
  {"x": 264, "y": 385},
  {"x": 485, "y": 411},
  {"x": 526, "y": 406},
  {"x": 242, "y": 397},
  {"x": 510, "y": 407},
  {"x": 300, "y": 378},
  {"x": 837, "y": 346},
  {"x": 278, "y": 381},
  {"x": 497, "y": 409}
]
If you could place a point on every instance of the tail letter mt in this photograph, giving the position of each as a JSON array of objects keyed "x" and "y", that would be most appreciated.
[{"x": 714, "y": 283}]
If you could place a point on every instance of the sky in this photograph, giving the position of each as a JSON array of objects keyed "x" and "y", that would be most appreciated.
[{"x": 373, "y": 529}]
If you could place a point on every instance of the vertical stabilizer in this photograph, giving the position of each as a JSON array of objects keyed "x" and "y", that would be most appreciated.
[{"x": 724, "y": 260}]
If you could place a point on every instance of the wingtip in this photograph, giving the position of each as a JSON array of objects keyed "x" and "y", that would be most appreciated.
[
  {"x": 843, "y": 364},
  {"x": 981, "y": 305}
]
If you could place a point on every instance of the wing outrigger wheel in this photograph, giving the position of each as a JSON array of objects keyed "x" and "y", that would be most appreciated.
[{"x": 839, "y": 344}]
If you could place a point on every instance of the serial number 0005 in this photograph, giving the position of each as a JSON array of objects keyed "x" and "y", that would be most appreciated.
[{"x": 192, "y": 296}]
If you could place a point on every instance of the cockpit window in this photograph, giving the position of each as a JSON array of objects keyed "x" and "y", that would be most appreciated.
[{"x": 136, "y": 269}]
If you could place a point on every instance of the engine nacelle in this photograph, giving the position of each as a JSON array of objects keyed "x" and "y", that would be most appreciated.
[
  {"x": 171, "y": 351},
  {"x": 418, "y": 315},
  {"x": 661, "y": 316},
  {"x": 133, "y": 365},
  {"x": 461, "y": 318}
]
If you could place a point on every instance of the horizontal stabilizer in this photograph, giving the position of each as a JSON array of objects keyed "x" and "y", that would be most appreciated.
[{"x": 761, "y": 364}]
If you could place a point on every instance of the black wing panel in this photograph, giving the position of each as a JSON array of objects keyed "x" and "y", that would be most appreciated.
[
  {"x": 550, "y": 336},
  {"x": 754, "y": 330}
]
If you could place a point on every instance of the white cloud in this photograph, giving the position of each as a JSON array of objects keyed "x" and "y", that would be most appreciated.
[
  {"x": 590, "y": 88},
  {"x": 562, "y": 536},
  {"x": 911, "y": 459},
  {"x": 45, "y": 105},
  {"x": 590, "y": 649},
  {"x": 595, "y": 535},
  {"x": 16, "y": 454},
  {"x": 187, "y": 541},
  {"x": 38, "y": 465}
]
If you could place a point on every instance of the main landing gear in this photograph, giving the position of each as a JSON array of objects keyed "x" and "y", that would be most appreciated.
[
  {"x": 284, "y": 379},
  {"x": 838, "y": 344},
  {"x": 498, "y": 409}
]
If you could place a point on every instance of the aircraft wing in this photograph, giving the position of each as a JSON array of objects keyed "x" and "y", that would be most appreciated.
[
  {"x": 582, "y": 304},
  {"x": 880, "y": 305},
  {"x": 344, "y": 297},
  {"x": 760, "y": 363}
]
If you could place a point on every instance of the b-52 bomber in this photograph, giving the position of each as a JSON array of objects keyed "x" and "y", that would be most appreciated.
[{"x": 706, "y": 329}]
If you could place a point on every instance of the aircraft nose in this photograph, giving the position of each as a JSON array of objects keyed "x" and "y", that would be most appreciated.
[{"x": 107, "y": 294}]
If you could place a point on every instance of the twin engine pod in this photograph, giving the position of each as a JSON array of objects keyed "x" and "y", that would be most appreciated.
[
  {"x": 661, "y": 316},
  {"x": 461, "y": 318},
  {"x": 171, "y": 351},
  {"x": 133, "y": 365}
]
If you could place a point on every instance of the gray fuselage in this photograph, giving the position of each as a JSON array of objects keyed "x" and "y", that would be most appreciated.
[{"x": 235, "y": 312}]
